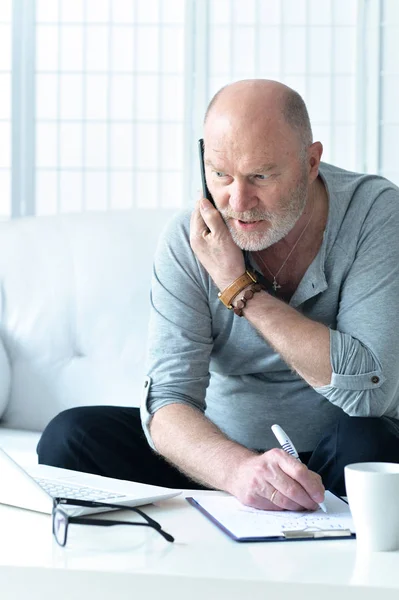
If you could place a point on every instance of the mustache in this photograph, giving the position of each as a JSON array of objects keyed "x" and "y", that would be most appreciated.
[{"x": 248, "y": 215}]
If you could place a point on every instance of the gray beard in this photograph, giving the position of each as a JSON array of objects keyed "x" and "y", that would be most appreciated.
[{"x": 280, "y": 225}]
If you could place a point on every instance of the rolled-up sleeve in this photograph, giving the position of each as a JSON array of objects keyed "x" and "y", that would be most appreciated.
[
  {"x": 180, "y": 335},
  {"x": 364, "y": 346}
]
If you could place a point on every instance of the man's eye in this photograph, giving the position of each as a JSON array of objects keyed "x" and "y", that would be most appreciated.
[
  {"x": 261, "y": 177},
  {"x": 219, "y": 174}
]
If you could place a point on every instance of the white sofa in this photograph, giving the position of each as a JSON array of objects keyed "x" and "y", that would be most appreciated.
[{"x": 74, "y": 307}]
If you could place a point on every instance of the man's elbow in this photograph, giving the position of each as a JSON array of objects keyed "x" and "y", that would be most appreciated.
[{"x": 371, "y": 403}]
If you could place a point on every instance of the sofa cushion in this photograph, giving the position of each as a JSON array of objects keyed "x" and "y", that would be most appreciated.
[{"x": 74, "y": 310}]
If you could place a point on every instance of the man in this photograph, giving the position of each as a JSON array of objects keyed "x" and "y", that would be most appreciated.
[{"x": 312, "y": 350}]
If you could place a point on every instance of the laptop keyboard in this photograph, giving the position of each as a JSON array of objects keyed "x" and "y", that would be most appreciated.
[{"x": 56, "y": 489}]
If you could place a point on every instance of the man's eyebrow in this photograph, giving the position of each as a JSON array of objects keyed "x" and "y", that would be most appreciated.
[
  {"x": 264, "y": 168},
  {"x": 210, "y": 163}
]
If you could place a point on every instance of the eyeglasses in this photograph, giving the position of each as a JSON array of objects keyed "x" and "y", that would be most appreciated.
[{"x": 61, "y": 519}]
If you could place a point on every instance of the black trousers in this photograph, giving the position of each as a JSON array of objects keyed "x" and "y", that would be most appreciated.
[{"x": 109, "y": 441}]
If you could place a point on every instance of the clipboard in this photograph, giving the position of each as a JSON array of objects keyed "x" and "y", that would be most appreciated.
[{"x": 338, "y": 532}]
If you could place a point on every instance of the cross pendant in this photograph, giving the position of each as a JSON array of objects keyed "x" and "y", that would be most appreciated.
[{"x": 275, "y": 285}]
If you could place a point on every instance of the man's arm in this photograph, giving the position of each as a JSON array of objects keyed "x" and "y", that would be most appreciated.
[
  {"x": 180, "y": 342},
  {"x": 303, "y": 344},
  {"x": 190, "y": 441},
  {"x": 354, "y": 365}
]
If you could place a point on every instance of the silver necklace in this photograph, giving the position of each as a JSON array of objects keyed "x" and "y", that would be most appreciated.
[{"x": 275, "y": 283}]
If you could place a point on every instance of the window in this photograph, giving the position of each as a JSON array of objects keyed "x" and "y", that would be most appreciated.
[
  {"x": 109, "y": 95},
  {"x": 5, "y": 109},
  {"x": 310, "y": 45},
  {"x": 109, "y": 104}
]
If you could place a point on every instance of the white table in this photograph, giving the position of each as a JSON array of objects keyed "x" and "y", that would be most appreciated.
[{"x": 125, "y": 562}]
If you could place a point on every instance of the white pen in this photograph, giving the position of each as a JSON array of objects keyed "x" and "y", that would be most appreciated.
[{"x": 289, "y": 447}]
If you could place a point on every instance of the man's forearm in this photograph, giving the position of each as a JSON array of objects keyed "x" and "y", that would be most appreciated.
[
  {"x": 303, "y": 344},
  {"x": 185, "y": 437}
]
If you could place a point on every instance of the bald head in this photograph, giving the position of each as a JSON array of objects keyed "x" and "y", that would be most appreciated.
[{"x": 258, "y": 100}]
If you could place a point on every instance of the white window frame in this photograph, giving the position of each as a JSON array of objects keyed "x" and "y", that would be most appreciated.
[{"x": 23, "y": 108}]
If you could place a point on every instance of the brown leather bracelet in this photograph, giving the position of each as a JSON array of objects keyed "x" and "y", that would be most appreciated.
[
  {"x": 247, "y": 295},
  {"x": 232, "y": 290}
]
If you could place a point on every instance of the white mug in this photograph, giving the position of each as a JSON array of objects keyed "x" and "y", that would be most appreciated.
[{"x": 372, "y": 489}]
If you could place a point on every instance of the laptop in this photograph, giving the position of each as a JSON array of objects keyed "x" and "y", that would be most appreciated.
[{"x": 35, "y": 488}]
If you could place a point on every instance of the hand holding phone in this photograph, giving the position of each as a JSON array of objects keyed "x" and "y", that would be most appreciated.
[{"x": 205, "y": 192}]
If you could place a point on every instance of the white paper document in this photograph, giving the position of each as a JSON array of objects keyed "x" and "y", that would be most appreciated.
[{"x": 245, "y": 523}]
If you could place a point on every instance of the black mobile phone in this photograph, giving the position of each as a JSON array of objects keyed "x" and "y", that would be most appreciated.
[{"x": 206, "y": 193}]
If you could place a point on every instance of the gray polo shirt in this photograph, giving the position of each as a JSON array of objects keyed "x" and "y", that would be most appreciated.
[{"x": 202, "y": 355}]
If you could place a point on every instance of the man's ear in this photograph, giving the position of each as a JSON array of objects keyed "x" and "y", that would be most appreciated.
[{"x": 315, "y": 152}]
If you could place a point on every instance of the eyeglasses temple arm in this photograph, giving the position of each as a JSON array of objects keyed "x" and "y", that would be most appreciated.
[
  {"x": 105, "y": 523},
  {"x": 94, "y": 504}
]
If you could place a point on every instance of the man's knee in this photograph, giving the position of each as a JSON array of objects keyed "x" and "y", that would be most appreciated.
[
  {"x": 63, "y": 432},
  {"x": 90, "y": 438}
]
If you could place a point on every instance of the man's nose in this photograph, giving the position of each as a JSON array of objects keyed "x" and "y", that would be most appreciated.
[{"x": 242, "y": 196}]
